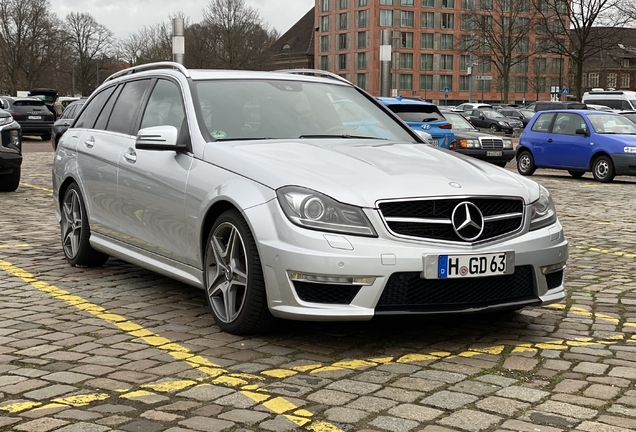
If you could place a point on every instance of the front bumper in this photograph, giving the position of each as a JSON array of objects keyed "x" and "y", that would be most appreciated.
[
  {"x": 10, "y": 151},
  {"x": 624, "y": 164},
  {"x": 285, "y": 247},
  {"x": 488, "y": 155}
]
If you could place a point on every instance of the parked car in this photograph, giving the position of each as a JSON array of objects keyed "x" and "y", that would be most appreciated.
[
  {"x": 546, "y": 106},
  {"x": 64, "y": 122},
  {"x": 67, "y": 100},
  {"x": 493, "y": 120},
  {"x": 423, "y": 116},
  {"x": 32, "y": 115},
  {"x": 50, "y": 98},
  {"x": 296, "y": 215},
  {"x": 615, "y": 99},
  {"x": 471, "y": 105},
  {"x": 522, "y": 115},
  {"x": 629, "y": 114},
  {"x": 10, "y": 152},
  {"x": 470, "y": 141},
  {"x": 579, "y": 141}
]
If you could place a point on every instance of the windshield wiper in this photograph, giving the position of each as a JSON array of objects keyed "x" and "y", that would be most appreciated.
[
  {"x": 243, "y": 139},
  {"x": 346, "y": 136}
]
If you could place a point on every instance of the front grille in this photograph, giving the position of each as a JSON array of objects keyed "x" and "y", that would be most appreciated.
[
  {"x": 554, "y": 280},
  {"x": 326, "y": 293},
  {"x": 491, "y": 143},
  {"x": 431, "y": 219},
  {"x": 408, "y": 292}
]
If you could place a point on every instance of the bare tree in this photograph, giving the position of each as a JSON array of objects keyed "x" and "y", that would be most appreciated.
[
  {"x": 91, "y": 44},
  {"x": 25, "y": 30},
  {"x": 583, "y": 28},
  {"x": 237, "y": 36}
]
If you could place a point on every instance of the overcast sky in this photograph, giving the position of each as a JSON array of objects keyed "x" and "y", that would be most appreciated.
[{"x": 123, "y": 17}]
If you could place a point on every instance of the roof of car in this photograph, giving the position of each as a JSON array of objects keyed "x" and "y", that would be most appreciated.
[{"x": 403, "y": 101}]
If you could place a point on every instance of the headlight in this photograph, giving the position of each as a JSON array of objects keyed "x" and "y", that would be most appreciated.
[
  {"x": 313, "y": 210},
  {"x": 503, "y": 123},
  {"x": 469, "y": 143},
  {"x": 543, "y": 211},
  {"x": 6, "y": 120},
  {"x": 507, "y": 143}
]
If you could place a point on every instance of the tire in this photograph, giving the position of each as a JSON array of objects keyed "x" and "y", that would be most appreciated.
[
  {"x": 603, "y": 169},
  {"x": 493, "y": 128},
  {"x": 576, "y": 174},
  {"x": 76, "y": 231},
  {"x": 501, "y": 164},
  {"x": 525, "y": 163},
  {"x": 233, "y": 266},
  {"x": 46, "y": 137},
  {"x": 10, "y": 182}
]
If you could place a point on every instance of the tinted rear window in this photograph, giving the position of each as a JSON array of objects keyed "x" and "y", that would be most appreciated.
[
  {"x": 417, "y": 113},
  {"x": 29, "y": 103},
  {"x": 87, "y": 118}
]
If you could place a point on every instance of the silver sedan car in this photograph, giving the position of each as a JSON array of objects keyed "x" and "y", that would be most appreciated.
[{"x": 253, "y": 187}]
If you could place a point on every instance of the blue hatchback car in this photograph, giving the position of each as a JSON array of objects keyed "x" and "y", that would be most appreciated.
[
  {"x": 423, "y": 116},
  {"x": 579, "y": 141}
]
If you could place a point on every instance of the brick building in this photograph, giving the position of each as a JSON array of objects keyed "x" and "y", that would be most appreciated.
[{"x": 430, "y": 48}]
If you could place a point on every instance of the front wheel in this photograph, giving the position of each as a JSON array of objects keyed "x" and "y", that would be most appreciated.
[
  {"x": 233, "y": 277},
  {"x": 603, "y": 169},
  {"x": 10, "y": 182},
  {"x": 494, "y": 128},
  {"x": 76, "y": 231},
  {"x": 525, "y": 163}
]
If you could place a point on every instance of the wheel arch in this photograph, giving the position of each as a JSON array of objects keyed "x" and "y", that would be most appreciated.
[
  {"x": 597, "y": 155},
  {"x": 211, "y": 215}
]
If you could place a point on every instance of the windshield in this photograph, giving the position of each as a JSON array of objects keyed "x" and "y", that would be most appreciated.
[
  {"x": 493, "y": 114},
  {"x": 284, "y": 109},
  {"x": 611, "y": 124},
  {"x": 458, "y": 122},
  {"x": 417, "y": 113},
  {"x": 45, "y": 98},
  {"x": 631, "y": 116}
]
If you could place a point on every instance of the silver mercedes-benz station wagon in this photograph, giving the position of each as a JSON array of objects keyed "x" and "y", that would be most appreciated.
[{"x": 259, "y": 188}]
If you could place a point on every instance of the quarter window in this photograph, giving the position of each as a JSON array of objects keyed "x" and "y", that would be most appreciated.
[
  {"x": 543, "y": 122},
  {"x": 102, "y": 119},
  {"x": 126, "y": 108},
  {"x": 94, "y": 107},
  {"x": 165, "y": 107}
]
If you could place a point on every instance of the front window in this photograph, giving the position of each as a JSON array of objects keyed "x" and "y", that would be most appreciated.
[
  {"x": 286, "y": 109},
  {"x": 611, "y": 124}
]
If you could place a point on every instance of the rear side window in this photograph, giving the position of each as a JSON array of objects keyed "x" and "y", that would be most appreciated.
[
  {"x": 543, "y": 122},
  {"x": 124, "y": 115},
  {"x": 104, "y": 115},
  {"x": 417, "y": 113},
  {"x": 88, "y": 116}
]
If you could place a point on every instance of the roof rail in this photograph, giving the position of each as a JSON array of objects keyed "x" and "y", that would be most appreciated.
[
  {"x": 319, "y": 72},
  {"x": 148, "y": 66}
]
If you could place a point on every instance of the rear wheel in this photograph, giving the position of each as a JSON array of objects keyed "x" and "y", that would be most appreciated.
[
  {"x": 525, "y": 163},
  {"x": 76, "y": 231},
  {"x": 10, "y": 182},
  {"x": 233, "y": 276},
  {"x": 46, "y": 137},
  {"x": 603, "y": 169},
  {"x": 494, "y": 128},
  {"x": 576, "y": 174}
]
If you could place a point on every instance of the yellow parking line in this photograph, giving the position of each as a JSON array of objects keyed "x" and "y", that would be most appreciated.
[
  {"x": 11, "y": 246},
  {"x": 606, "y": 251},
  {"x": 36, "y": 187}
]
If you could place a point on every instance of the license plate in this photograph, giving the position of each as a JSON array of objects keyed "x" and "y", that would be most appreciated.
[
  {"x": 494, "y": 153},
  {"x": 468, "y": 265},
  {"x": 35, "y": 117}
]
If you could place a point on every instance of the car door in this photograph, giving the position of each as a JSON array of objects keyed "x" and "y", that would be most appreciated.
[
  {"x": 564, "y": 147},
  {"x": 536, "y": 139},
  {"x": 477, "y": 118},
  {"x": 152, "y": 183}
]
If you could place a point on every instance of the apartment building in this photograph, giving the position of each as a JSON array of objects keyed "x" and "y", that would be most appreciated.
[{"x": 433, "y": 42}]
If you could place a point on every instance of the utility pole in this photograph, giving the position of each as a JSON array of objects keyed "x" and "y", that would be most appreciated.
[
  {"x": 178, "y": 41},
  {"x": 470, "y": 69},
  {"x": 386, "y": 38}
]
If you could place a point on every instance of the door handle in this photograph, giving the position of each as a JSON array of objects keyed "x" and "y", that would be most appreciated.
[
  {"x": 130, "y": 156},
  {"x": 550, "y": 140},
  {"x": 89, "y": 142}
]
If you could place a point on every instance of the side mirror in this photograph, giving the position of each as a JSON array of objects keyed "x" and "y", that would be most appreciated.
[
  {"x": 582, "y": 131},
  {"x": 158, "y": 138}
]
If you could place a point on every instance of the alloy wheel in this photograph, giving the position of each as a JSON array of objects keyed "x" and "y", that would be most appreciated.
[{"x": 71, "y": 223}]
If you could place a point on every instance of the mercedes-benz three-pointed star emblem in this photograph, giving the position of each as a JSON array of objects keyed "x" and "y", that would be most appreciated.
[{"x": 468, "y": 221}]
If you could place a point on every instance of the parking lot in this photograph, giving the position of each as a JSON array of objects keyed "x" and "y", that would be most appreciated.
[{"x": 121, "y": 348}]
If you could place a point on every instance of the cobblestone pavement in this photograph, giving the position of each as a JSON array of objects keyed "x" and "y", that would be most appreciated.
[{"x": 121, "y": 348}]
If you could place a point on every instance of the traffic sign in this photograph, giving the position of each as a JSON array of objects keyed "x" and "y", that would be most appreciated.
[
  {"x": 565, "y": 90},
  {"x": 483, "y": 77},
  {"x": 446, "y": 90}
]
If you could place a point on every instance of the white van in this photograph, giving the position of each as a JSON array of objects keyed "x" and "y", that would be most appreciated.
[{"x": 615, "y": 99}]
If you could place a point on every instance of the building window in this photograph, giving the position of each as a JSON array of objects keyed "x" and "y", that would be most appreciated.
[
  {"x": 468, "y": 4},
  {"x": 361, "y": 2},
  {"x": 465, "y": 42},
  {"x": 557, "y": 66},
  {"x": 343, "y": 21},
  {"x": 540, "y": 65},
  {"x": 448, "y": 21},
  {"x": 446, "y": 81},
  {"x": 486, "y": 5},
  {"x": 407, "y": 40},
  {"x": 386, "y": 18},
  {"x": 324, "y": 5},
  {"x": 361, "y": 39},
  {"x": 361, "y": 60},
  {"x": 484, "y": 85},
  {"x": 406, "y": 61},
  {"x": 467, "y": 22},
  {"x": 464, "y": 60},
  {"x": 324, "y": 62},
  {"x": 542, "y": 26},
  {"x": 427, "y": 41},
  {"x": 386, "y": 2},
  {"x": 407, "y": 3},
  {"x": 426, "y": 61},
  {"x": 464, "y": 83},
  {"x": 362, "y": 17},
  {"x": 522, "y": 25},
  {"x": 426, "y": 82},
  {"x": 324, "y": 23},
  {"x": 625, "y": 81},
  {"x": 446, "y": 42},
  {"x": 448, "y": 4},
  {"x": 428, "y": 3},
  {"x": 584, "y": 81},
  {"x": 521, "y": 84},
  {"x": 407, "y": 18},
  {"x": 406, "y": 82},
  {"x": 342, "y": 62},
  {"x": 361, "y": 80},
  {"x": 343, "y": 41},
  {"x": 445, "y": 62},
  {"x": 505, "y": 5},
  {"x": 484, "y": 65},
  {"x": 343, "y": 4},
  {"x": 625, "y": 62},
  {"x": 428, "y": 20},
  {"x": 593, "y": 79},
  {"x": 611, "y": 80},
  {"x": 523, "y": 46},
  {"x": 324, "y": 43},
  {"x": 524, "y": 6}
]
